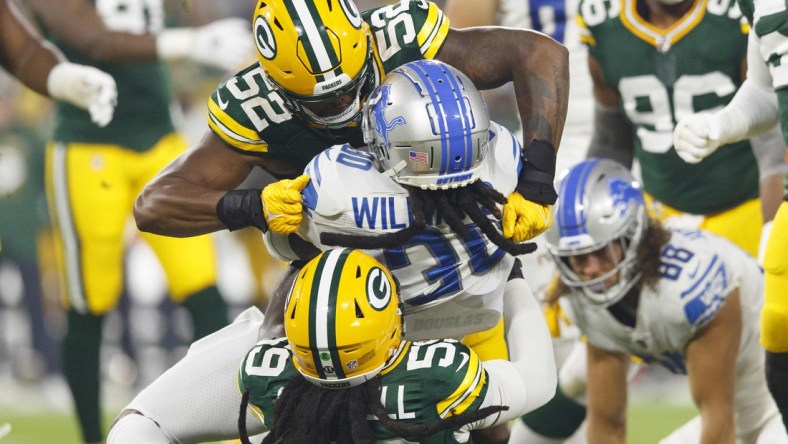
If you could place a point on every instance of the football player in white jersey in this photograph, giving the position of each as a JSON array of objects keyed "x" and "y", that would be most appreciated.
[
  {"x": 420, "y": 200},
  {"x": 432, "y": 147},
  {"x": 687, "y": 300}
]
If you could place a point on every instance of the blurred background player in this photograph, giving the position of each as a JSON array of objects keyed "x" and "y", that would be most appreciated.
[
  {"x": 687, "y": 300},
  {"x": 758, "y": 104},
  {"x": 94, "y": 174},
  {"x": 42, "y": 68},
  {"x": 678, "y": 58}
]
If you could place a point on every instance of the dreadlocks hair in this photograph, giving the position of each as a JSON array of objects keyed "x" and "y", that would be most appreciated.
[
  {"x": 306, "y": 413},
  {"x": 452, "y": 205}
]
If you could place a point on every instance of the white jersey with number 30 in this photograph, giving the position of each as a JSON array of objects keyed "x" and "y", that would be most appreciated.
[{"x": 347, "y": 194}]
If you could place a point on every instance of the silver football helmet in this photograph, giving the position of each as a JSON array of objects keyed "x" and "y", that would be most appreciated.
[
  {"x": 599, "y": 203},
  {"x": 427, "y": 125}
]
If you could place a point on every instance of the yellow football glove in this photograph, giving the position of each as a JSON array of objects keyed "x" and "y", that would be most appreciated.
[
  {"x": 524, "y": 220},
  {"x": 282, "y": 204}
]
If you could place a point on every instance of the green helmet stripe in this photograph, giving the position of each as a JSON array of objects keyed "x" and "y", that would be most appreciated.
[
  {"x": 318, "y": 48},
  {"x": 322, "y": 314}
]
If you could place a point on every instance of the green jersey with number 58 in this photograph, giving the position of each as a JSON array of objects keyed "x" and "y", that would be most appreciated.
[
  {"x": 663, "y": 75},
  {"x": 251, "y": 117},
  {"x": 425, "y": 382}
]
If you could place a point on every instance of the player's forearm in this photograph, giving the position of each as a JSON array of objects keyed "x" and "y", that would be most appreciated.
[
  {"x": 530, "y": 345},
  {"x": 171, "y": 207},
  {"x": 536, "y": 64},
  {"x": 601, "y": 431},
  {"x": 22, "y": 51}
]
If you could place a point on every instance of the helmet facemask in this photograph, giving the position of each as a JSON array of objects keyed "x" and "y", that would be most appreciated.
[
  {"x": 600, "y": 206},
  {"x": 336, "y": 115},
  {"x": 317, "y": 54},
  {"x": 427, "y": 126}
]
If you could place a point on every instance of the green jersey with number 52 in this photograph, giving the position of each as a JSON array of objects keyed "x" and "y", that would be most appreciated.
[
  {"x": 250, "y": 117},
  {"x": 425, "y": 382},
  {"x": 663, "y": 75}
]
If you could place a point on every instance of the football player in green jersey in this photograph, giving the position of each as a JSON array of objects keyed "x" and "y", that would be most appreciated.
[
  {"x": 760, "y": 102},
  {"x": 41, "y": 68},
  {"x": 318, "y": 61},
  {"x": 93, "y": 174},
  {"x": 653, "y": 62},
  {"x": 342, "y": 358}
]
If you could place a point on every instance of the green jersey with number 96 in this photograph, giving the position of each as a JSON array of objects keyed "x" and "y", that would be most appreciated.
[
  {"x": 663, "y": 75},
  {"x": 425, "y": 382}
]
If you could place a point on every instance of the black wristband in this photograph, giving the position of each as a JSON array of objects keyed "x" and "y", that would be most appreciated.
[
  {"x": 240, "y": 209},
  {"x": 535, "y": 182}
]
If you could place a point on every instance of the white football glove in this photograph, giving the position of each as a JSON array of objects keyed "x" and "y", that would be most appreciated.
[
  {"x": 86, "y": 87},
  {"x": 697, "y": 136},
  {"x": 225, "y": 44}
]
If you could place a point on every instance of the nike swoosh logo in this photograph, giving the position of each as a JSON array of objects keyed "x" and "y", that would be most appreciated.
[
  {"x": 222, "y": 105},
  {"x": 694, "y": 271},
  {"x": 465, "y": 359}
]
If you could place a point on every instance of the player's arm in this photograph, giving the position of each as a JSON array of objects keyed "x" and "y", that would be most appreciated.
[
  {"x": 752, "y": 111},
  {"x": 195, "y": 194},
  {"x": 711, "y": 370},
  {"x": 41, "y": 67},
  {"x": 612, "y": 134},
  {"x": 536, "y": 64},
  {"x": 529, "y": 380},
  {"x": 22, "y": 51},
  {"x": 181, "y": 200},
  {"x": 467, "y": 13},
  {"x": 76, "y": 23},
  {"x": 607, "y": 396}
]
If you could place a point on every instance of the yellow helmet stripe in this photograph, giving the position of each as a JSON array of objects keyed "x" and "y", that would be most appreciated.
[
  {"x": 322, "y": 314},
  {"x": 322, "y": 57}
]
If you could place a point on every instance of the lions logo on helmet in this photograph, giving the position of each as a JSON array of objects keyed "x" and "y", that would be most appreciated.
[
  {"x": 446, "y": 138},
  {"x": 342, "y": 318},
  {"x": 313, "y": 53},
  {"x": 599, "y": 202}
]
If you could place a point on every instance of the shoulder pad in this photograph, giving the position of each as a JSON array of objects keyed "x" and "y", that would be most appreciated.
[
  {"x": 241, "y": 108},
  {"x": 407, "y": 30}
]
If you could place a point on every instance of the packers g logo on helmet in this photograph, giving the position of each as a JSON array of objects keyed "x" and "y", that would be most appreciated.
[
  {"x": 315, "y": 51},
  {"x": 342, "y": 318}
]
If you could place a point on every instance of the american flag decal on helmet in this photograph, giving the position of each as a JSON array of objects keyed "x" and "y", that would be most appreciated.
[{"x": 418, "y": 157}]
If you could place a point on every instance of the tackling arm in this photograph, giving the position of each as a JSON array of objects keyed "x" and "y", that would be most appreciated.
[
  {"x": 181, "y": 200},
  {"x": 711, "y": 370},
  {"x": 537, "y": 64},
  {"x": 607, "y": 396},
  {"x": 529, "y": 380}
]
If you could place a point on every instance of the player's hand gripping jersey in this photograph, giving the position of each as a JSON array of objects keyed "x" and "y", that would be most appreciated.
[
  {"x": 250, "y": 117},
  {"x": 348, "y": 195}
]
